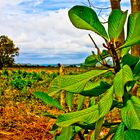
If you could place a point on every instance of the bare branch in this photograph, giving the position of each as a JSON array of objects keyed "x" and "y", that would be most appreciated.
[
  {"x": 92, "y": 5},
  {"x": 98, "y": 50}
]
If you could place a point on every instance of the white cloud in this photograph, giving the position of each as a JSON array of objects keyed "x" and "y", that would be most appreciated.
[
  {"x": 48, "y": 34},
  {"x": 45, "y": 37}
]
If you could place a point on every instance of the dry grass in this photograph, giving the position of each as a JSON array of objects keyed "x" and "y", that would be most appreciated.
[{"x": 24, "y": 120}]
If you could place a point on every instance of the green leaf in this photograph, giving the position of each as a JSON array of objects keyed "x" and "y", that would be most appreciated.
[
  {"x": 119, "y": 135},
  {"x": 89, "y": 115},
  {"x": 116, "y": 23},
  {"x": 86, "y": 126},
  {"x": 47, "y": 99},
  {"x": 105, "y": 54},
  {"x": 121, "y": 78},
  {"x": 69, "y": 97},
  {"x": 132, "y": 135},
  {"x": 80, "y": 103},
  {"x": 73, "y": 83},
  {"x": 131, "y": 113},
  {"x": 95, "y": 88},
  {"x": 106, "y": 102},
  {"x": 77, "y": 129},
  {"x": 136, "y": 70},
  {"x": 91, "y": 61},
  {"x": 92, "y": 101},
  {"x": 98, "y": 127},
  {"x": 66, "y": 134},
  {"x": 132, "y": 60},
  {"x": 133, "y": 30},
  {"x": 125, "y": 51},
  {"x": 54, "y": 129},
  {"x": 84, "y": 17},
  {"x": 130, "y": 85},
  {"x": 92, "y": 137},
  {"x": 50, "y": 115}
]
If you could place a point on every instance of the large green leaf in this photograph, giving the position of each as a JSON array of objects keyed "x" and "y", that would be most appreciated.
[
  {"x": 132, "y": 60},
  {"x": 95, "y": 88},
  {"x": 131, "y": 113},
  {"x": 85, "y": 18},
  {"x": 119, "y": 135},
  {"x": 132, "y": 135},
  {"x": 66, "y": 134},
  {"x": 89, "y": 115},
  {"x": 73, "y": 83},
  {"x": 47, "y": 99},
  {"x": 121, "y": 78},
  {"x": 133, "y": 30},
  {"x": 116, "y": 23}
]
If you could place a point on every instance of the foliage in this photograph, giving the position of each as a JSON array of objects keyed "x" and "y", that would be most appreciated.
[
  {"x": 122, "y": 78},
  {"x": 23, "y": 80},
  {"x": 7, "y": 51}
]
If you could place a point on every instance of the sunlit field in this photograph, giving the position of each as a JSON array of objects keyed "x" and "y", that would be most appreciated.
[{"x": 21, "y": 113}]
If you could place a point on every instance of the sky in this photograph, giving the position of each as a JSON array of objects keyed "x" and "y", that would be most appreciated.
[{"x": 42, "y": 31}]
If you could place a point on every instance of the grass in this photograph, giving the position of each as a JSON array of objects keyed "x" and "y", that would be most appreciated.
[{"x": 21, "y": 114}]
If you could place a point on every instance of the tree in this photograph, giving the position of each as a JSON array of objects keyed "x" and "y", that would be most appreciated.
[
  {"x": 135, "y": 7},
  {"x": 7, "y": 51}
]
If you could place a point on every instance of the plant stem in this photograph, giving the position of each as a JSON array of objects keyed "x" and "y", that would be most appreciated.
[{"x": 114, "y": 57}]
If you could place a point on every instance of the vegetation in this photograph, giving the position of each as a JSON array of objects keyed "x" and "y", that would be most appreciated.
[
  {"x": 98, "y": 103},
  {"x": 105, "y": 95},
  {"x": 7, "y": 51}
]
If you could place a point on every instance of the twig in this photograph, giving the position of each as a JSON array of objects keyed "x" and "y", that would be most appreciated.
[
  {"x": 98, "y": 50},
  {"x": 92, "y": 5}
]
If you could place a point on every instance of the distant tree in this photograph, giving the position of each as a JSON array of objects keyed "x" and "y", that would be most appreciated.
[
  {"x": 58, "y": 65},
  {"x": 7, "y": 51}
]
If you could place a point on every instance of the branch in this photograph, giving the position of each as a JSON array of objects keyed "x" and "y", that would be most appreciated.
[
  {"x": 101, "y": 8},
  {"x": 98, "y": 50},
  {"x": 104, "y": 63}
]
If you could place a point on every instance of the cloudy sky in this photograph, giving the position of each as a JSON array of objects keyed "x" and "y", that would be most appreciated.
[{"x": 42, "y": 30}]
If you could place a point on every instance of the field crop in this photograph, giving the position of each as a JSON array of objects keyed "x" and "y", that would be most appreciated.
[{"x": 21, "y": 113}]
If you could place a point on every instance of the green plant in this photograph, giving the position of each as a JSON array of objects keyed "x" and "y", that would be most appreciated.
[
  {"x": 105, "y": 95},
  {"x": 5, "y": 73}
]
